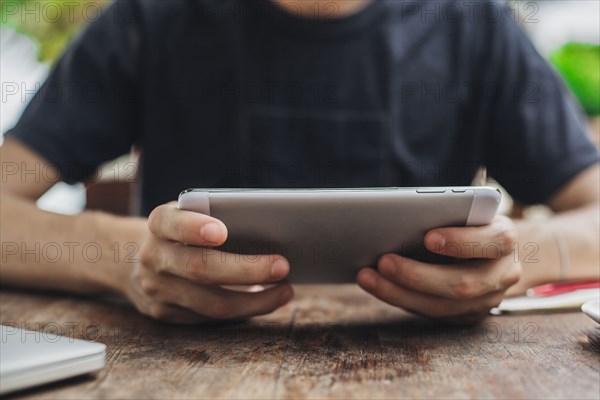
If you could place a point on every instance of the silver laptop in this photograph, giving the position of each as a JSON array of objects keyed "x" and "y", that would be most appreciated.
[{"x": 30, "y": 358}]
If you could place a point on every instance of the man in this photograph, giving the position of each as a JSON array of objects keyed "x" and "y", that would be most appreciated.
[{"x": 300, "y": 94}]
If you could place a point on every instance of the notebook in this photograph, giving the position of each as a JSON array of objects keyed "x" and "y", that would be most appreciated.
[{"x": 566, "y": 301}]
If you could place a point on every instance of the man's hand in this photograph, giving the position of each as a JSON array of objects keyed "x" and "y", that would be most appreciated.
[
  {"x": 179, "y": 276},
  {"x": 485, "y": 269}
]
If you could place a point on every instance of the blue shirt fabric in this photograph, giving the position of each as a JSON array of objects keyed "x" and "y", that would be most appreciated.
[{"x": 245, "y": 94}]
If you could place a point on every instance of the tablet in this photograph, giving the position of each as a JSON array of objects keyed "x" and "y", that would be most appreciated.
[{"x": 327, "y": 235}]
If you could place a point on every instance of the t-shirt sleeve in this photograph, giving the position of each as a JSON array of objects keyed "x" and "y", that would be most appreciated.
[
  {"x": 537, "y": 139},
  {"x": 86, "y": 112}
]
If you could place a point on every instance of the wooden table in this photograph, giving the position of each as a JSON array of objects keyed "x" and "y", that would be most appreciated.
[{"x": 330, "y": 342}]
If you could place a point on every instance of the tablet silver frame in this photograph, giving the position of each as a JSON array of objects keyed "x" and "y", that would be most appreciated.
[{"x": 361, "y": 224}]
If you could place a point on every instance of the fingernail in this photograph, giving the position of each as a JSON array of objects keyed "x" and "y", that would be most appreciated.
[
  {"x": 286, "y": 296},
  {"x": 255, "y": 288},
  {"x": 211, "y": 232},
  {"x": 279, "y": 269},
  {"x": 368, "y": 280},
  {"x": 437, "y": 241},
  {"x": 387, "y": 266}
]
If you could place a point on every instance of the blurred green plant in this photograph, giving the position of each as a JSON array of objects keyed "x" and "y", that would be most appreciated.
[
  {"x": 50, "y": 23},
  {"x": 579, "y": 65}
]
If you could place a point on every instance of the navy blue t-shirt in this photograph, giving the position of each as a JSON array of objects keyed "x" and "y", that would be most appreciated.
[{"x": 245, "y": 94}]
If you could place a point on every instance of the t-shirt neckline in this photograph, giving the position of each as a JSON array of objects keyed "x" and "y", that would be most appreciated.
[{"x": 352, "y": 23}]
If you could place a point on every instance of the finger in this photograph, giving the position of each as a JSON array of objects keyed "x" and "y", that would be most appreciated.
[
  {"x": 174, "y": 314},
  {"x": 161, "y": 311},
  {"x": 169, "y": 222},
  {"x": 420, "y": 303},
  {"x": 491, "y": 241},
  {"x": 450, "y": 281},
  {"x": 216, "y": 302},
  {"x": 211, "y": 266}
]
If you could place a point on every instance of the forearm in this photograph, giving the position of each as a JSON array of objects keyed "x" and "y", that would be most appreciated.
[
  {"x": 87, "y": 253},
  {"x": 538, "y": 248}
]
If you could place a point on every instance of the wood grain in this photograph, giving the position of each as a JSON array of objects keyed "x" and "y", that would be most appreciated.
[{"x": 330, "y": 342}]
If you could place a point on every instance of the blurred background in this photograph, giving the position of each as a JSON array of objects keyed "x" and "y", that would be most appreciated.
[{"x": 33, "y": 33}]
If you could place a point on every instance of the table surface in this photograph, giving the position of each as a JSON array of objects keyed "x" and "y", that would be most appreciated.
[{"x": 330, "y": 342}]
